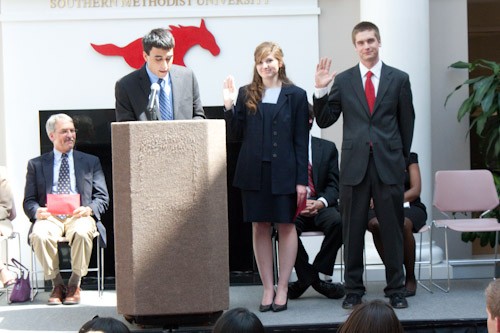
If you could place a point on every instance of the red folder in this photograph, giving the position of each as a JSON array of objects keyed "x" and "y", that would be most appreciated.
[
  {"x": 62, "y": 204},
  {"x": 300, "y": 208}
]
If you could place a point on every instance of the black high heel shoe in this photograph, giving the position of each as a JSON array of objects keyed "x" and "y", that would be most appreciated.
[
  {"x": 268, "y": 307},
  {"x": 282, "y": 307},
  {"x": 265, "y": 308}
]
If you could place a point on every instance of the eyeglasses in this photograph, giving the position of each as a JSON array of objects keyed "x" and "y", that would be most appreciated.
[{"x": 67, "y": 131}]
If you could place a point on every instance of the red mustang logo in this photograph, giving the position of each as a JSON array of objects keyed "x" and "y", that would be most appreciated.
[{"x": 185, "y": 38}]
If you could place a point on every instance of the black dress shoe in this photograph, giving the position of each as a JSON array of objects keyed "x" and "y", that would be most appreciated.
[
  {"x": 351, "y": 300},
  {"x": 296, "y": 289},
  {"x": 330, "y": 290},
  {"x": 398, "y": 301},
  {"x": 265, "y": 308}
]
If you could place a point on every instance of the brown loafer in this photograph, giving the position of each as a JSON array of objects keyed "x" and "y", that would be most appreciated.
[
  {"x": 57, "y": 295},
  {"x": 72, "y": 296}
]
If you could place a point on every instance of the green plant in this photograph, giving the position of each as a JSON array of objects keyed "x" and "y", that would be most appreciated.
[
  {"x": 483, "y": 108},
  {"x": 483, "y": 102}
]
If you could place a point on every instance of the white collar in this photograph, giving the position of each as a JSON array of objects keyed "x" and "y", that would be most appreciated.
[{"x": 375, "y": 69}]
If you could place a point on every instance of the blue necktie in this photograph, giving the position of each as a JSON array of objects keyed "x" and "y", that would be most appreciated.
[
  {"x": 165, "y": 103},
  {"x": 63, "y": 182}
]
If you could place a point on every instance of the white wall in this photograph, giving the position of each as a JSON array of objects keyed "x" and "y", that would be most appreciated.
[
  {"x": 335, "y": 25},
  {"x": 48, "y": 63},
  {"x": 3, "y": 124},
  {"x": 450, "y": 144}
]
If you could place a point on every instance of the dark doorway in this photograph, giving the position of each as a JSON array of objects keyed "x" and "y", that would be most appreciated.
[{"x": 94, "y": 137}]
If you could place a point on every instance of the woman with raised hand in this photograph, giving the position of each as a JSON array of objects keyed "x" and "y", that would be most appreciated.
[{"x": 270, "y": 118}]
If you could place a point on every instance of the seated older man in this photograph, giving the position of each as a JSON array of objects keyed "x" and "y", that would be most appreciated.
[{"x": 64, "y": 171}]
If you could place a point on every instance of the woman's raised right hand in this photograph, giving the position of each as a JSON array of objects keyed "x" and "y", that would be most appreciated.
[{"x": 229, "y": 92}]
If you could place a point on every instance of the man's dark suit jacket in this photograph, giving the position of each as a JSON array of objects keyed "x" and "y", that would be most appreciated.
[
  {"x": 389, "y": 129},
  {"x": 325, "y": 159},
  {"x": 325, "y": 167},
  {"x": 132, "y": 95},
  {"x": 90, "y": 183},
  {"x": 290, "y": 137}
]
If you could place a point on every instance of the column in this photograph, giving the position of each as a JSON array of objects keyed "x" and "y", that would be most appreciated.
[{"x": 404, "y": 32}]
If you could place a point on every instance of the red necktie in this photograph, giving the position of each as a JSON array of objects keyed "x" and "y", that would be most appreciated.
[
  {"x": 312, "y": 190},
  {"x": 370, "y": 91}
]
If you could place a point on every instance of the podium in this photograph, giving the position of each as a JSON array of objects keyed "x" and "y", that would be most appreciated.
[{"x": 170, "y": 220}]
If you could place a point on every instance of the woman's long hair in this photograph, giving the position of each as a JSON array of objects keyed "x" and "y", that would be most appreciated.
[{"x": 255, "y": 90}]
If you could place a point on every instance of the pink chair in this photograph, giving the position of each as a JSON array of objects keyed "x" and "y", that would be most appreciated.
[{"x": 465, "y": 192}]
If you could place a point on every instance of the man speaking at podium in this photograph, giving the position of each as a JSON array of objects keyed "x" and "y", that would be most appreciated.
[{"x": 159, "y": 90}]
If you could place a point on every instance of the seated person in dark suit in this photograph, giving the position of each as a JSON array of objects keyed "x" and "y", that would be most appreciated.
[
  {"x": 321, "y": 214},
  {"x": 64, "y": 171}
]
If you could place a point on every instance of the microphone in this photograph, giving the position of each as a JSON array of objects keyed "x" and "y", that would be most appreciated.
[{"x": 155, "y": 87}]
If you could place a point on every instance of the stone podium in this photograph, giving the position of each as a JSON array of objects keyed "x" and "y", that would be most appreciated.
[{"x": 170, "y": 218}]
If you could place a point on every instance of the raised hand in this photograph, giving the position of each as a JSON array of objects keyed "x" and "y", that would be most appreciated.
[
  {"x": 229, "y": 92},
  {"x": 323, "y": 78}
]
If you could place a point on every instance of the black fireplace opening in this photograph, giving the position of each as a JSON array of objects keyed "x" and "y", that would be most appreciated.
[{"x": 94, "y": 137}]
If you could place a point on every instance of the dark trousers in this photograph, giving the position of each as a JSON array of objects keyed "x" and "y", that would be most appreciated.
[
  {"x": 354, "y": 205},
  {"x": 329, "y": 222}
]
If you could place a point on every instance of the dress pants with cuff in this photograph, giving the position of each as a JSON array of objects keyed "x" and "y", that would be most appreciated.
[{"x": 80, "y": 234}]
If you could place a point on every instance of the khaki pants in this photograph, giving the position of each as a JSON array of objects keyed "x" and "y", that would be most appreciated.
[{"x": 80, "y": 233}]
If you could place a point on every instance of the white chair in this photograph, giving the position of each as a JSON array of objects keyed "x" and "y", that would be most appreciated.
[
  {"x": 420, "y": 262},
  {"x": 274, "y": 237},
  {"x": 99, "y": 269},
  {"x": 460, "y": 193},
  {"x": 337, "y": 263},
  {"x": 6, "y": 239},
  {"x": 274, "y": 240}
]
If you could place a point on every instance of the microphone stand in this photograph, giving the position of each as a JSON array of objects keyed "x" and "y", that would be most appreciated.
[{"x": 152, "y": 113}]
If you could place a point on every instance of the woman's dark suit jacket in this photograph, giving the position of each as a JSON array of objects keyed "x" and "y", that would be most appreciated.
[{"x": 289, "y": 141}]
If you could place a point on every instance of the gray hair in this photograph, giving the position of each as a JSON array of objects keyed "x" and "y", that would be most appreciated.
[{"x": 50, "y": 125}]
